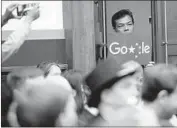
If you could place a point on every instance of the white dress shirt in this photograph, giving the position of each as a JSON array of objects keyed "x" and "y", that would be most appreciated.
[{"x": 15, "y": 40}]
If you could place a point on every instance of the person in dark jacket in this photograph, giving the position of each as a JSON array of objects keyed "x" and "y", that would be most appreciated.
[
  {"x": 113, "y": 88},
  {"x": 159, "y": 92}
]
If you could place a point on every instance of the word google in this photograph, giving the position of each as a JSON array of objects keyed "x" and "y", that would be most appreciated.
[{"x": 141, "y": 48}]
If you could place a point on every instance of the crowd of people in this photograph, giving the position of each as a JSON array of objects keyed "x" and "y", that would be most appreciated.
[{"x": 112, "y": 94}]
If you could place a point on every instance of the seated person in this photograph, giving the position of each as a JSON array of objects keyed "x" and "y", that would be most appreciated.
[
  {"x": 55, "y": 103},
  {"x": 50, "y": 68},
  {"x": 159, "y": 92},
  {"x": 113, "y": 88},
  {"x": 12, "y": 82}
]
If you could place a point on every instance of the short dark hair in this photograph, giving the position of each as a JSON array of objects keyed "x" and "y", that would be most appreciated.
[
  {"x": 95, "y": 98},
  {"x": 120, "y": 14},
  {"x": 46, "y": 66},
  {"x": 158, "y": 78}
]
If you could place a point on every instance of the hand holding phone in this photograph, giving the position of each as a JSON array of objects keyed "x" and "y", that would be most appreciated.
[
  {"x": 23, "y": 9},
  {"x": 33, "y": 14},
  {"x": 9, "y": 11}
]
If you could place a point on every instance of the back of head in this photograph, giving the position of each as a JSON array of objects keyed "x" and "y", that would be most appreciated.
[
  {"x": 42, "y": 105},
  {"x": 47, "y": 67},
  {"x": 158, "y": 78},
  {"x": 17, "y": 77}
]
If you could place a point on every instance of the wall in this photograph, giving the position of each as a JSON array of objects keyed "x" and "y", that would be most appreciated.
[
  {"x": 33, "y": 52},
  {"x": 171, "y": 16},
  {"x": 80, "y": 35},
  {"x": 172, "y": 31},
  {"x": 51, "y": 15}
]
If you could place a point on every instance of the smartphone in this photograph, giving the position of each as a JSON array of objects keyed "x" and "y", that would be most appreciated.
[{"x": 24, "y": 8}]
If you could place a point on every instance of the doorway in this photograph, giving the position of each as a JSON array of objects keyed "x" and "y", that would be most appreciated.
[{"x": 166, "y": 29}]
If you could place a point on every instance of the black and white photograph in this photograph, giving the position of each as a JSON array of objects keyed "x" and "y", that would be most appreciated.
[{"x": 88, "y": 63}]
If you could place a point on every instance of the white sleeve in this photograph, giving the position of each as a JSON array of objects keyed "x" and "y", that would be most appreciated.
[
  {"x": 15, "y": 40},
  {"x": 173, "y": 120},
  {"x": 11, "y": 115}
]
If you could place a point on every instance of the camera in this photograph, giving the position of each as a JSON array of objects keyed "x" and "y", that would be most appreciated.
[{"x": 24, "y": 8}]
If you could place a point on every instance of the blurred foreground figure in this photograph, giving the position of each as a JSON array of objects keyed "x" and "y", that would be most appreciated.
[
  {"x": 9, "y": 15},
  {"x": 42, "y": 102},
  {"x": 80, "y": 93},
  {"x": 114, "y": 92},
  {"x": 160, "y": 92},
  {"x": 15, "y": 80},
  {"x": 17, "y": 38}
]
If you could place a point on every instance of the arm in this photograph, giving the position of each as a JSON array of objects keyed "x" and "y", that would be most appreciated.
[
  {"x": 4, "y": 20},
  {"x": 15, "y": 40},
  {"x": 11, "y": 116},
  {"x": 9, "y": 15}
]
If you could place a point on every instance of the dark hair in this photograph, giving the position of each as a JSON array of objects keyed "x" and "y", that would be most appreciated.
[
  {"x": 95, "y": 98},
  {"x": 120, "y": 14},
  {"x": 158, "y": 78},
  {"x": 46, "y": 66},
  {"x": 17, "y": 77}
]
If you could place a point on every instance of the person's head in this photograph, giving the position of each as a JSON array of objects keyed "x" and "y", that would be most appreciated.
[
  {"x": 50, "y": 68},
  {"x": 16, "y": 79},
  {"x": 123, "y": 21},
  {"x": 130, "y": 84},
  {"x": 47, "y": 103},
  {"x": 112, "y": 84},
  {"x": 160, "y": 89}
]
